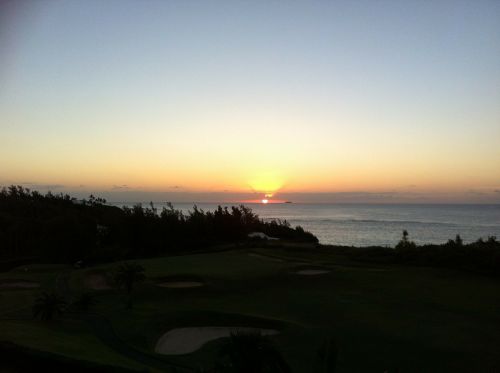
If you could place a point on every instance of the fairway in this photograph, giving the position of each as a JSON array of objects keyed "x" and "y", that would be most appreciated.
[{"x": 381, "y": 318}]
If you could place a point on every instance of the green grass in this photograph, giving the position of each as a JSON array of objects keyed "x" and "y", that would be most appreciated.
[
  {"x": 69, "y": 338},
  {"x": 381, "y": 317}
]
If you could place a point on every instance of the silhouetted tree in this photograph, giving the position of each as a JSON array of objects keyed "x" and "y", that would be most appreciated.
[
  {"x": 251, "y": 352},
  {"x": 127, "y": 275},
  {"x": 326, "y": 359},
  {"x": 457, "y": 242},
  {"x": 49, "y": 305},
  {"x": 405, "y": 242},
  {"x": 63, "y": 229},
  {"x": 83, "y": 302}
]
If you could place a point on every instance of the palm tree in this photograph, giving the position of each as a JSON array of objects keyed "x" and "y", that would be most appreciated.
[
  {"x": 49, "y": 305},
  {"x": 326, "y": 360},
  {"x": 83, "y": 302},
  {"x": 127, "y": 275},
  {"x": 405, "y": 242},
  {"x": 251, "y": 352}
]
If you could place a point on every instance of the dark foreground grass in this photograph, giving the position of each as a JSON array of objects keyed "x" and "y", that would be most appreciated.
[{"x": 413, "y": 319}]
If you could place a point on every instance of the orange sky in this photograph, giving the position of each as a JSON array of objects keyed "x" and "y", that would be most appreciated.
[{"x": 332, "y": 99}]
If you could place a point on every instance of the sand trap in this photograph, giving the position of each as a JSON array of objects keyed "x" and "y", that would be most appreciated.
[
  {"x": 19, "y": 284},
  {"x": 96, "y": 281},
  {"x": 180, "y": 284},
  {"x": 186, "y": 340},
  {"x": 312, "y": 272}
]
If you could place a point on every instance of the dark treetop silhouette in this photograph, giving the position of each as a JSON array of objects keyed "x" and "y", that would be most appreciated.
[{"x": 62, "y": 229}]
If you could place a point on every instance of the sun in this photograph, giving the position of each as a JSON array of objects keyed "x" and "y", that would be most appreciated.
[{"x": 265, "y": 201}]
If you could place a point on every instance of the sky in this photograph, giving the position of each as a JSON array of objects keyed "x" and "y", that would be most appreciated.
[{"x": 310, "y": 101}]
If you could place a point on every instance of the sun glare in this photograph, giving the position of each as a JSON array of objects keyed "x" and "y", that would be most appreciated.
[{"x": 266, "y": 183}]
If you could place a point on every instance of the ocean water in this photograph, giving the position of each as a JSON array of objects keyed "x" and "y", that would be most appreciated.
[{"x": 366, "y": 224}]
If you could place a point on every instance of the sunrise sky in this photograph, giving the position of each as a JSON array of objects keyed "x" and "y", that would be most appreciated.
[{"x": 319, "y": 101}]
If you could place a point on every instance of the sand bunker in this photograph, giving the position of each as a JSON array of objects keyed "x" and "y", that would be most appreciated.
[
  {"x": 180, "y": 284},
  {"x": 96, "y": 281},
  {"x": 312, "y": 272},
  {"x": 186, "y": 340},
  {"x": 19, "y": 284}
]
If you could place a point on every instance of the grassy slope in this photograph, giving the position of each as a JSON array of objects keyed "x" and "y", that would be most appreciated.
[
  {"x": 415, "y": 319},
  {"x": 412, "y": 318},
  {"x": 70, "y": 338}
]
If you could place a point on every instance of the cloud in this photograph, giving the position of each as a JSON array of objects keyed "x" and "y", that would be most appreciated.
[
  {"x": 36, "y": 186},
  {"x": 364, "y": 195},
  {"x": 344, "y": 197},
  {"x": 121, "y": 187},
  {"x": 475, "y": 192}
]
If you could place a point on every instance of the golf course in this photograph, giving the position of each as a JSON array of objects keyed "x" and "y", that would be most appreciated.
[{"x": 379, "y": 318}]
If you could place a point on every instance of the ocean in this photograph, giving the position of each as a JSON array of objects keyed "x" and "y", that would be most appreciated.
[{"x": 367, "y": 224}]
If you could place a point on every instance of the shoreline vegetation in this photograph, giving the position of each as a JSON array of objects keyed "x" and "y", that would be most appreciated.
[
  {"x": 108, "y": 283},
  {"x": 60, "y": 229}
]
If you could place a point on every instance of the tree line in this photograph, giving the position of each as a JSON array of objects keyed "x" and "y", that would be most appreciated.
[
  {"x": 482, "y": 255},
  {"x": 60, "y": 228}
]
